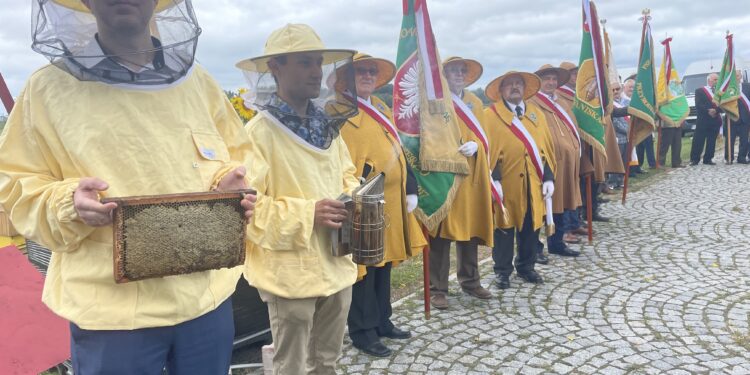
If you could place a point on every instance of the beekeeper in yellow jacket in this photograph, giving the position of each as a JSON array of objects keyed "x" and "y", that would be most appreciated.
[
  {"x": 469, "y": 221},
  {"x": 523, "y": 163},
  {"x": 137, "y": 119},
  {"x": 375, "y": 147},
  {"x": 300, "y": 166}
]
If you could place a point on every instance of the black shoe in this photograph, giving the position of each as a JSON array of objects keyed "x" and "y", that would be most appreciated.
[
  {"x": 564, "y": 251},
  {"x": 531, "y": 277},
  {"x": 396, "y": 334},
  {"x": 541, "y": 258},
  {"x": 693, "y": 163},
  {"x": 642, "y": 171},
  {"x": 709, "y": 163},
  {"x": 633, "y": 175},
  {"x": 742, "y": 162},
  {"x": 502, "y": 281},
  {"x": 598, "y": 217},
  {"x": 376, "y": 349},
  {"x": 603, "y": 200}
]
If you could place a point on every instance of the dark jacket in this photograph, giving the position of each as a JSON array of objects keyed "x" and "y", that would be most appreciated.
[
  {"x": 744, "y": 111},
  {"x": 702, "y": 104}
]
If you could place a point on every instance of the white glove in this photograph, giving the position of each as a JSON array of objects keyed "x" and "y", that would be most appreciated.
[
  {"x": 499, "y": 188},
  {"x": 548, "y": 188},
  {"x": 411, "y": 202},
  {"x": 468, "y": 149}
]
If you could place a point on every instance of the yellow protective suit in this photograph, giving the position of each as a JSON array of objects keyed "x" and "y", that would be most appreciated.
[
  {"x": 174, "y": 140},
  {"x": 370, "y": 144},
  {"x": 287, "y": 255}
]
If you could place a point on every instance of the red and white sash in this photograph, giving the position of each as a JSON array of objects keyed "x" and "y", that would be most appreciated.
[
  {"x": 467, "y": 116},
  {"x": 567, "y": 90},
  {"x": 744, "y": 99},
  {"x": 523, "y": 135},
  {"x": 368, "y": 108},
  {"x": 710, "y": 96},
  {"x": 560, "y": 112}
]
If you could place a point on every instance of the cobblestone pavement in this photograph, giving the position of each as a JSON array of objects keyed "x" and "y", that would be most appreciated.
[{"x": 665, "y": 288}]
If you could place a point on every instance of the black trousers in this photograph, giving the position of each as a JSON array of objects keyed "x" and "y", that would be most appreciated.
[
  {"x": 670, "y": 138},
  {"x": 705, "y": 136},
  {"x": 738, "y": 131},
  {"x": 370, "y": 311},
  {"x": 502, "y": 252},
  {"x": 646, "y": 146}
]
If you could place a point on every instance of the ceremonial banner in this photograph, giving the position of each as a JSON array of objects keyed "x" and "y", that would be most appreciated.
[
  {"x": 727, "y": 91},
  {"x": 425, "y": 117},
  {"x": 670, "y": 96},
  {"x": 612, "y": 76},
  {"x": 642, "y": 107},
  {"x": 592, "y": 90}
]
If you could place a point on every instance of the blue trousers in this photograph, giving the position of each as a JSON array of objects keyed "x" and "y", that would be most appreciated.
[
  {"x": 571, "y": 220},
  {"x": 202, "y": 346}
]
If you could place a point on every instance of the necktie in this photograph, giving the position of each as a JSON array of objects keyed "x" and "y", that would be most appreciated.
[{"x": 519, "y": 111}]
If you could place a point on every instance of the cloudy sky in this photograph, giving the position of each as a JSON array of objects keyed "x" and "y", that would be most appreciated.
[{"x": 501, "y": 34}]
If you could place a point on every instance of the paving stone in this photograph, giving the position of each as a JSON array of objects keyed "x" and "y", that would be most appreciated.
[{"x": 663, "y": 289}]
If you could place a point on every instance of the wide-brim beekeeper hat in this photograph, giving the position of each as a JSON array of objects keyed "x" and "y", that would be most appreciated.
[
  {"x": 563, "y": 75},
  {"x": 531, "y": 85},
  {"x": 473, "y": 68},
  {"x": 293, "y": 38},
  {"x": 386, "y": 69}
]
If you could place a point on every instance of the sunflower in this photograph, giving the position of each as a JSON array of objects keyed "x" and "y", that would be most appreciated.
[{"x": 238, "y": 102}]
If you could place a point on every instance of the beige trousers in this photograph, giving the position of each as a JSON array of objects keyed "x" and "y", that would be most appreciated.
[{"x": 307, "y": 332}]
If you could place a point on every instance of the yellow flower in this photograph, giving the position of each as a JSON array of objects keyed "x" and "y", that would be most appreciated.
[{"x": 238, "y": 103}]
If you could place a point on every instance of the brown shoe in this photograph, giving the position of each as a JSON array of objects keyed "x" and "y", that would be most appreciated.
[
  {"x": 439, "y": 301},
  {"x": 479, "y": 292},
  {"x": 580, "y": 231},
  {"x": 571, "y": 238}
]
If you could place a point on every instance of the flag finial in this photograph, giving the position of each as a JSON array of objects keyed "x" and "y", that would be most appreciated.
[{"x": 646, "y": 12}]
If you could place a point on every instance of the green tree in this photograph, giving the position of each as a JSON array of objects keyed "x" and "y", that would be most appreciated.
[
  {"x": 385, "y": 94},
  {"x": 479, "y": 92}
]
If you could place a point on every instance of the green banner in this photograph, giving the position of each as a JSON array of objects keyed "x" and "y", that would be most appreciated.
[
  {"x": 587, "y": 105},
  {"x": 727, "y": 91},
  {"x": 670, "y": 96},
  {"x": 643, "y": 101}
]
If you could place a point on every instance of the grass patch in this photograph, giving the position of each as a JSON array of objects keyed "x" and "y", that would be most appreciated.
[{"x": 742, "y": 339}]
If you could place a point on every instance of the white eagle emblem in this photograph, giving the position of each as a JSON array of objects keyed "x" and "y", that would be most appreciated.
[{"x": 409, "y": 87}]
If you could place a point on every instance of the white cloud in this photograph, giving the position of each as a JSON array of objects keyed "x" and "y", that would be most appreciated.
[{"x": 502, "y": 35}]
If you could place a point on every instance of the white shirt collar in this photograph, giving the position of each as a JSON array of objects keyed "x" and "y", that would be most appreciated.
[{"x": 513, "y": 106}]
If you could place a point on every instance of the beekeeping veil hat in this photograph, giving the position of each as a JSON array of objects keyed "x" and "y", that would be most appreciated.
[
  {"x": 65, "y": 31},
  {"x": 336, "y": 99}
]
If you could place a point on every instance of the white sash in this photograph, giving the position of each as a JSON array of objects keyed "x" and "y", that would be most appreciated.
[
  {"x": 560, "y": 112},
  {"x": 463, "y": 112},
  {"x": 368, "y": 108}
]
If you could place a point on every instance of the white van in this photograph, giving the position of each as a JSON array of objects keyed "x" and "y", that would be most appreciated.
[{"x": 695, "y": 77}]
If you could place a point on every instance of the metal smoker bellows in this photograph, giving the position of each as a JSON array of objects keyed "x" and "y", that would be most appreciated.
[{"x": 363, "y": 232}]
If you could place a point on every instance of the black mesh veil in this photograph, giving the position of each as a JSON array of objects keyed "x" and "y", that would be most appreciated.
[{"x": 65, "y": 32}]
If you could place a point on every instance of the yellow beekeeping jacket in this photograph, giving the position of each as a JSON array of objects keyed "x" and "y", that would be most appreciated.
[
  {"x": 287, "y": 255},
  {"x": 370, "y": 144},
  {"x": 471, "y": 212},
  {"x": 178, "y": 139},
  {"x": 518, "y": 175}
]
